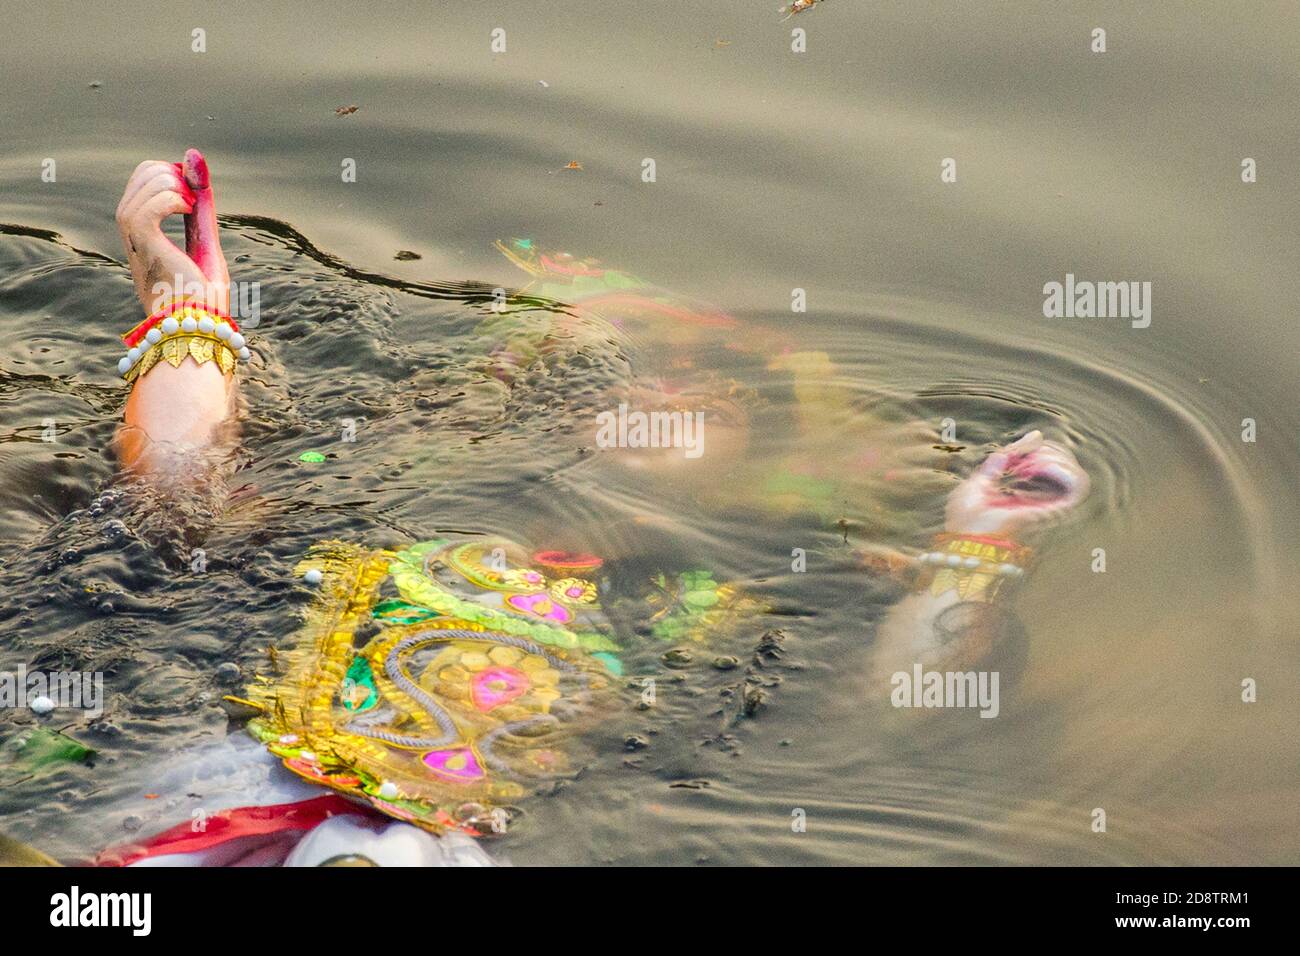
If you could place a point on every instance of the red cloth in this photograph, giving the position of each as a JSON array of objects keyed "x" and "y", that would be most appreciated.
[{"x": 236, "y": 824}]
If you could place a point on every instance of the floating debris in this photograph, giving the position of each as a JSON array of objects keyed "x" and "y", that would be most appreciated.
[
  {"x": 40, "y": 747},
  {"x": 677, "y": 657},
  {"x": 229, "y": 673},
  {"x": 752, "y": 698},
  {"x": 345, "y": 110},
  {"x": 798, "y": 6},
  {"x": 314, "y": 457},
  {"x": 770, "y": 647},
  {"x": 574, "y": 165},
  {"x": 406, "y": 255},
  {"x": 543, "y": 84}
]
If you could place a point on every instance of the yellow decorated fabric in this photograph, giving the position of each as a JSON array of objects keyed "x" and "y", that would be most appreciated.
[{"x": 441, "y": 721}]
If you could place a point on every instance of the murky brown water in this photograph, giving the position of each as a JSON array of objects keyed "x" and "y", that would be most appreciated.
[{"x": 774, "y": 171}]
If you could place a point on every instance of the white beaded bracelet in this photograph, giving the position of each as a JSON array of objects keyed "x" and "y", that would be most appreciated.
[{"x": 970, "y": 564}]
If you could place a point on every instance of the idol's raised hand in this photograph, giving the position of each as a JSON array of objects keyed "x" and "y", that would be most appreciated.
[
  {"x": 161, "y": 271},
  {"x": 1025, "y": 483}
]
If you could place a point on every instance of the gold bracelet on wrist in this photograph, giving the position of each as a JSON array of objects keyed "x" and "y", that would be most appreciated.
[
  {"x": 975, "y": 566},
  {"x": 180, "y": 331}
]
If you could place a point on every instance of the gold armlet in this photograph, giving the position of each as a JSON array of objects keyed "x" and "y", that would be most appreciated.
[
  {"x": 180, "y": 331},
  {"x": 975, "y": 566}
]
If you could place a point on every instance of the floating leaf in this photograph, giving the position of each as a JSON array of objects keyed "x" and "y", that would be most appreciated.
[{"x": 41, "y": 748}]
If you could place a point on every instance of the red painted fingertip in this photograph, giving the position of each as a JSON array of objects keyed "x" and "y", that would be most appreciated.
[
  {"x": 183, "y": 187},
  {"x": 196, "y": 169}
]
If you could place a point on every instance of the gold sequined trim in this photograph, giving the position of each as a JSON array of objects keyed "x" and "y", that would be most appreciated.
[{"x": 175, "y": 349}]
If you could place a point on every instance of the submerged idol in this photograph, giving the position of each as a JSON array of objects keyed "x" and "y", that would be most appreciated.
[{"x": 434, "y": 684}]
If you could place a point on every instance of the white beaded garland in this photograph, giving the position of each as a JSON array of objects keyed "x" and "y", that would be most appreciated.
[
  {"x": 123, "y": 364},
  {"x": 313, "y": 576},
  {"x": 245, "y": 354},
  {"x": 224, "y": 331},
  {"x": 153, "y": 336},
  {"x": 206, "y": 325},
  {"x": 170, "y": 325},
  {"x": 133, "y": 353},
  {"x": 236, "y": 341},
  {"x": 188, "y": 324},
  {"x": 971, "y": 563}
]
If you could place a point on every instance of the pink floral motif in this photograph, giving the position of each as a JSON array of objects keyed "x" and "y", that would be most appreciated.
[
  {"x": 539, "y": 605},
  {"x": 455, "y": 763}
]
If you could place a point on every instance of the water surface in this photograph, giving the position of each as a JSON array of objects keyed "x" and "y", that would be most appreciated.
[{"x": 774, "y": 171}]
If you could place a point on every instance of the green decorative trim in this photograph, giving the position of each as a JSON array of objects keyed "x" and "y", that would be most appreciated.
[
  {"x": 414, "y": 585},
  {"x": 401, "y": 612},
  {"x": 360, "y": 675}
]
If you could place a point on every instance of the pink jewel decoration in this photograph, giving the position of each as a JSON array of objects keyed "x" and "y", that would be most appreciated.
[
  {"x": 496, "y": 686},
  {"x": 539, "y": 605},
  {"x": 456, "y": 763}
]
